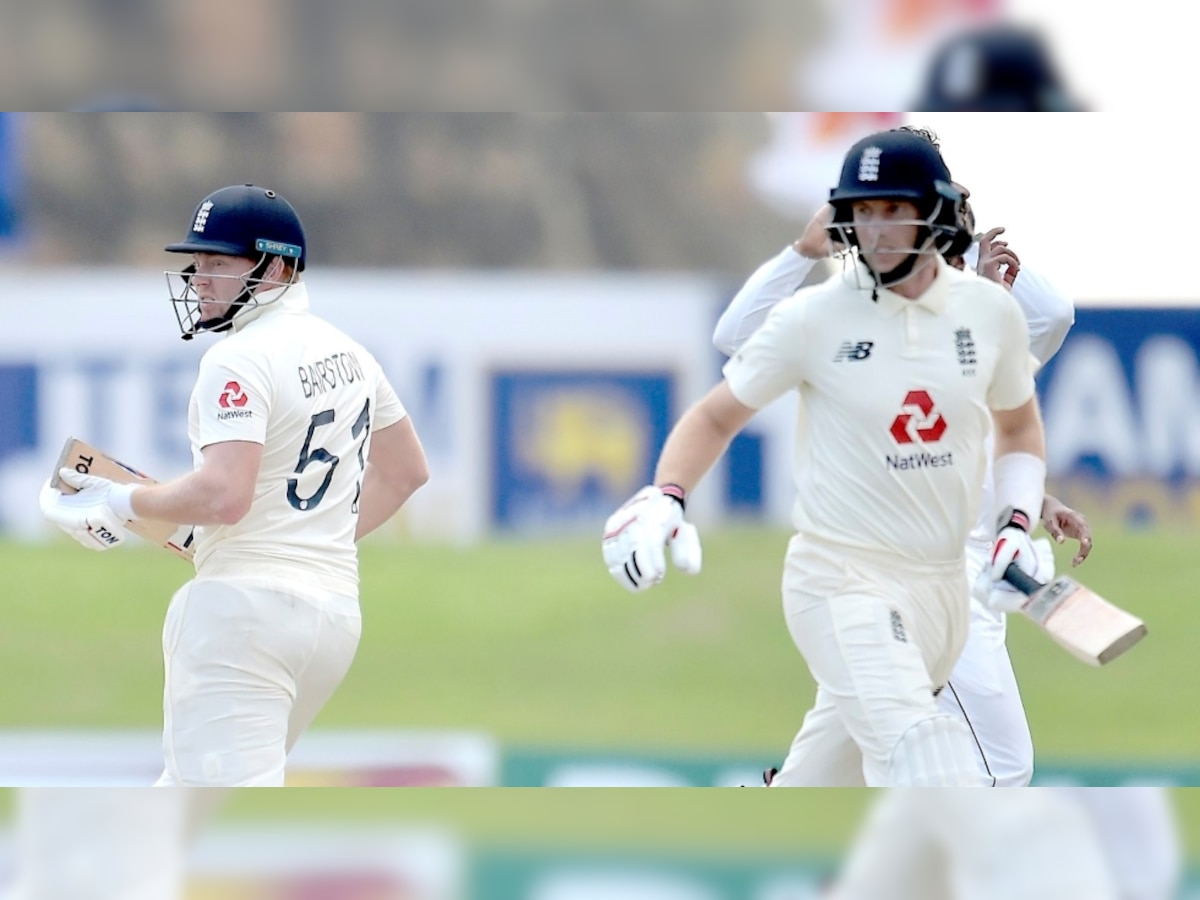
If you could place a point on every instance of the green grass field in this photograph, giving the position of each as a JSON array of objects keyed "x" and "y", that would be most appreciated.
[{"x": 533, "y": 643}]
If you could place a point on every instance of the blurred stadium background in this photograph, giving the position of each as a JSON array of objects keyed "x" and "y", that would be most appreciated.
[
  {"x": 541, "y": 289},
  {"x": 532, "y": 55}
]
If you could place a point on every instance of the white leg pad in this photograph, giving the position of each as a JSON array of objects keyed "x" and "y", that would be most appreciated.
[{"x": 936, "y": 752}]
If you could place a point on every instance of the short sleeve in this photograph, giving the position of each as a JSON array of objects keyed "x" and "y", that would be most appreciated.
[
  {"x": 771, "y": 361},
  {"x": 1012, "y": 380},
  {"x": 388, "y": 408},
  {"x": 233, "y": 399}
]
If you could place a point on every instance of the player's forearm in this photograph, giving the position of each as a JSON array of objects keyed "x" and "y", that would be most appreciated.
[
  {"x": 192, "y": 499},
  {"x": 381, "y": 499},
  {"x": 1029, "y": 438},
  {"x": 692, "y": 448}
]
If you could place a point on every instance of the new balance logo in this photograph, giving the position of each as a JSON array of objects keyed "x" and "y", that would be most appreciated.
[
  {"x": 868, "y": 165},
  {"x": 854, "y": 351}
]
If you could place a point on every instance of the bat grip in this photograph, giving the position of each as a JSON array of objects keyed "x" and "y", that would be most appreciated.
[{"x": 1023, "y": 582}]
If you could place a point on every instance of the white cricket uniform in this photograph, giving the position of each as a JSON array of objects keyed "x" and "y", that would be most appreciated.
[
  {"x": 890, "y": 461},
  {"x": 983, "y": 688},
  {"x": 951, "y": 845},
  {"x": 1140, "y": 833},
  {"x": 259, "y": 640},
  {"x": 110, "y": 843}
]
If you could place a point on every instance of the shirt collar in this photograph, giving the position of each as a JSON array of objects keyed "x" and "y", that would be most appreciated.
[
  {"x": 890, "y": 303},
  {"x": 289, "y": 298}
]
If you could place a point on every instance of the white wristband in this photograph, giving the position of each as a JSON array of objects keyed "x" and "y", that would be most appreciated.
[
  {"x": 1021, "y": 484},
  {"x": 120, "y": 501}
]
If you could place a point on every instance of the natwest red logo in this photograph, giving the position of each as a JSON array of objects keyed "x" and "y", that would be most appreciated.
[
  {"x": 919, "y": 421},
  {"x": 232, "y": 395}
]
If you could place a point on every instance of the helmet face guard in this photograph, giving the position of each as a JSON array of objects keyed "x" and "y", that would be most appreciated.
[
  {"x": 240, "y": 220},
  {"x": 898, "y": 165},
  {"x": 186, "y": 301}
]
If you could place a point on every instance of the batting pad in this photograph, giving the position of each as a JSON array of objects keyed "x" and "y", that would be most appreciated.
[{"x": 936, "y": 752}]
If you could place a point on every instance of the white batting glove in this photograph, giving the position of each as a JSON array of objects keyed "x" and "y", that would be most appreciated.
[
  {"x": 635, "y": 535},
  {"x": 89, "y": 515},
  {"x": 1034, "y": 558}
]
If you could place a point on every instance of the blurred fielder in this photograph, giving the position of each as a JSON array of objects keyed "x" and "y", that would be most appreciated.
[
  {"x": 1055, "y": 843},
  {"x": 955, "y": 845},
  {"x": 903, "y": 364},
  {"x": 82, "y": 843},
  {"x": 300, "y": 447},
  {"x": 982, "y": 689}
]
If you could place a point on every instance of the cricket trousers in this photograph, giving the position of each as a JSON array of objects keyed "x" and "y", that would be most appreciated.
[
  {"x": 983, "y": 691},
  {"x": 880, "y": 635},
  {"x": 248, "y": 665}
]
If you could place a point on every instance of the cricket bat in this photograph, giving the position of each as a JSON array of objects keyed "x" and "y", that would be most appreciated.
[
  {"x": 1084, "y": 623},
  {"x": 84, "y": 458}
]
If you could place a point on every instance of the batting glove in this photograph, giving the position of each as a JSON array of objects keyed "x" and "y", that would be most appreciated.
[
  {"x": 88, "y": 516},
  {"x": 1013, "y": 546},
  {"x": 635, "y": 535}
]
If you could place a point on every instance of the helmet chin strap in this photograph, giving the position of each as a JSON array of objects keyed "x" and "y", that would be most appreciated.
[
  {"x": 900, "y": 272},
  {"x": 224, "y": 322}
]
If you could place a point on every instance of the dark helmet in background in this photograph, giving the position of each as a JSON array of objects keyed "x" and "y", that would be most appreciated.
[{"x": 1001, "y": 68}]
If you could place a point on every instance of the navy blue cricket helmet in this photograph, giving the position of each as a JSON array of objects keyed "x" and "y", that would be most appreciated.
[
  {"x": 245, "y": 220},
  {"x": 898, "y": 165},
  {"x": 1001, "y": 68}
]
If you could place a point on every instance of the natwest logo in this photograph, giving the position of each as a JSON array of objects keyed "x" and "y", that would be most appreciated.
[
  {"x": 232, "y": 395},
  {"x": 919, "y": 420}
]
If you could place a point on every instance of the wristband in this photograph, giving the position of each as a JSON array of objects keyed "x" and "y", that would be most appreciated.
[
  {"x": 1013, "y": 518},
  {"x": 676, "y": 493},
  {"x": 120, "y": 501},
  {"x": 1020, "y": 485}
]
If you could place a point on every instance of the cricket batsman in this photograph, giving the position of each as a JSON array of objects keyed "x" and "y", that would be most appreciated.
[
  {"x": 889, "y": 465},
  {"x": 300, "y": 447}
]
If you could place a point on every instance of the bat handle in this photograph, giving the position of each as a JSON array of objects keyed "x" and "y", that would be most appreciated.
[{"x": 1024, "y": 583}]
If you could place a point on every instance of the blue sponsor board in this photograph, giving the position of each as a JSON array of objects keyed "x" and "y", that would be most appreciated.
[
  {"x": 11, "y": 178},
  {"x": 1121, "y": 403},
  {"x": 571, "y": 446},
  {"x": 19, "y": 400}
]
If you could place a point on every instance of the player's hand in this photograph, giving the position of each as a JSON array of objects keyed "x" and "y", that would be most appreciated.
[
  {"x": 85, "y": 516},
  {"x": 635, "y": 537},
  {"x": 1062, "y": 522},
  {"x": 997, "y": 261},
  {"x": 816, "y": 242},
  {"x": 1013, "y": 545},
  {"x": 116, "y": 496}
]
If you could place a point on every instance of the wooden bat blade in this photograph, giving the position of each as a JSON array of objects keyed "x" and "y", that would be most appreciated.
[
  {"x": 1084, "y": 623},
  {"x": 86, "y": 459}
]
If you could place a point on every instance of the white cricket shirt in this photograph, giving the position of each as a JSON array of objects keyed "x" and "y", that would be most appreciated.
[
  {"x": 311, "y": 396},
  {"x": 896, "y": 396}
]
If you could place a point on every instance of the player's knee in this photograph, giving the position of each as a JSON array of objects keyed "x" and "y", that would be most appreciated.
[{"x": 935, "y": 752}]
